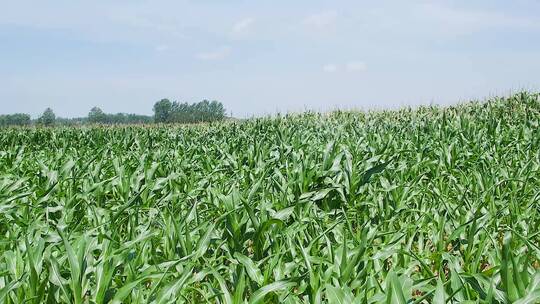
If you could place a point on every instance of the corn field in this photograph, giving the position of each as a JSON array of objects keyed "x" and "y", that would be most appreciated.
[{"x": 426, "y": 205}]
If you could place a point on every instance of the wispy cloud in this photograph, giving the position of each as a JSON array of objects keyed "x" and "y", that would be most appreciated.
[
  {"x": 321, "y": 20},
  {"x": 356, "y": 66},
  {"x": 330, "y": 68},
  {"x": 153, "y": 25},
  {"x": 243, "y": 26},
  {"x": 161, "y": 48},
  {"x": 453, "y": 20},
  {"x": 351, "y": 66},
  {"x": 217, "y": 54}
]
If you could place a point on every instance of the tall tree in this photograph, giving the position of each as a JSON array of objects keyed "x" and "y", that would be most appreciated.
[
  {"x": 96, "y": 115},
  {"x": 163, "y": 111},
  {"x": 217, "y": 111},
  {"x": 204, "y": 111},
  {"x": 18, "y": 119},
  {"x": 48, "y": 117}
]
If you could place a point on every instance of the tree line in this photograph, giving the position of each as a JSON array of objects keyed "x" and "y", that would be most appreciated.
[
  {"x": 165, "y": 111},
  {"x": 17, "y": 119}
]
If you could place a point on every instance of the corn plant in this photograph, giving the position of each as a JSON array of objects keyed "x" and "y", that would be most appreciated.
[{"x": 426, "y": 205}]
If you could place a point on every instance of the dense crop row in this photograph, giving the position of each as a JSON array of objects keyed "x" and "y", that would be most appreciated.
[{"x": 426, "y": 205}]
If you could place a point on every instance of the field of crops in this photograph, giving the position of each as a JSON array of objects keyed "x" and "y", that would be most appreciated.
[{"x": 430, "y": 205}]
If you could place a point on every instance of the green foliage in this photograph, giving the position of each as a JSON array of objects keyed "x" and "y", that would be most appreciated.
[
  {"x": 48, "y": 118},
  {"x": 76, "y": 121},
  {"x": 433, "y": 205},
  {"x": 204, "y": 111},
  {"x": 97, "y": 116},
  {"x": 18, "y": 119},
  {"x": 163, "y": 111}
]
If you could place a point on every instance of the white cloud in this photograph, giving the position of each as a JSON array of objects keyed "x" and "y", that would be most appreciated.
[
  {"x": 218, "y": 54},
  {"x": 162, "y": 48},
  {"x": 330, "y": 68},
  {"x": 456, "y": 21},
  {"x": 243, "y": 26},
  {"x": 356, "y": 66},
  {"x": 321, "y": 20}
]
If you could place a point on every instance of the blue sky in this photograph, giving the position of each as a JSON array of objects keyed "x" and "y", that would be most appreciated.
[{"x": 261, "y": 57}]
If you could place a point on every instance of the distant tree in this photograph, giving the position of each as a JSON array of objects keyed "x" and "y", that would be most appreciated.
[
  {"x": 204, "y": 111},
  {"x": 163, "y": 111},
  {"x": 18, "y": 119},
  {"x": 217, "y": 110},
  {"x": 138, "y": 119},
  {"x": 75, "y": 121},
  {"x": 48, "y": 118},
  {"x": 96, "y": 115},
  {"x": 21, "y": 119},
  {"x": 118, "y": 118}
]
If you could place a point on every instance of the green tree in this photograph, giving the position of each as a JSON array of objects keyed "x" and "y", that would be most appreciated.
[
  {"x": 96, "y": 115},
  {"x": 17, "y": 119},
  {"x": 204, "y": 111},
  {"x": 217, "y": 111},
  {"x": 48, "y": 117},
  {"x": 163, "y": 111}
]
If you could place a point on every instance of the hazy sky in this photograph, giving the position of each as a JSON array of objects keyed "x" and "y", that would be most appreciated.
[{"x": 259, "y": 57}]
